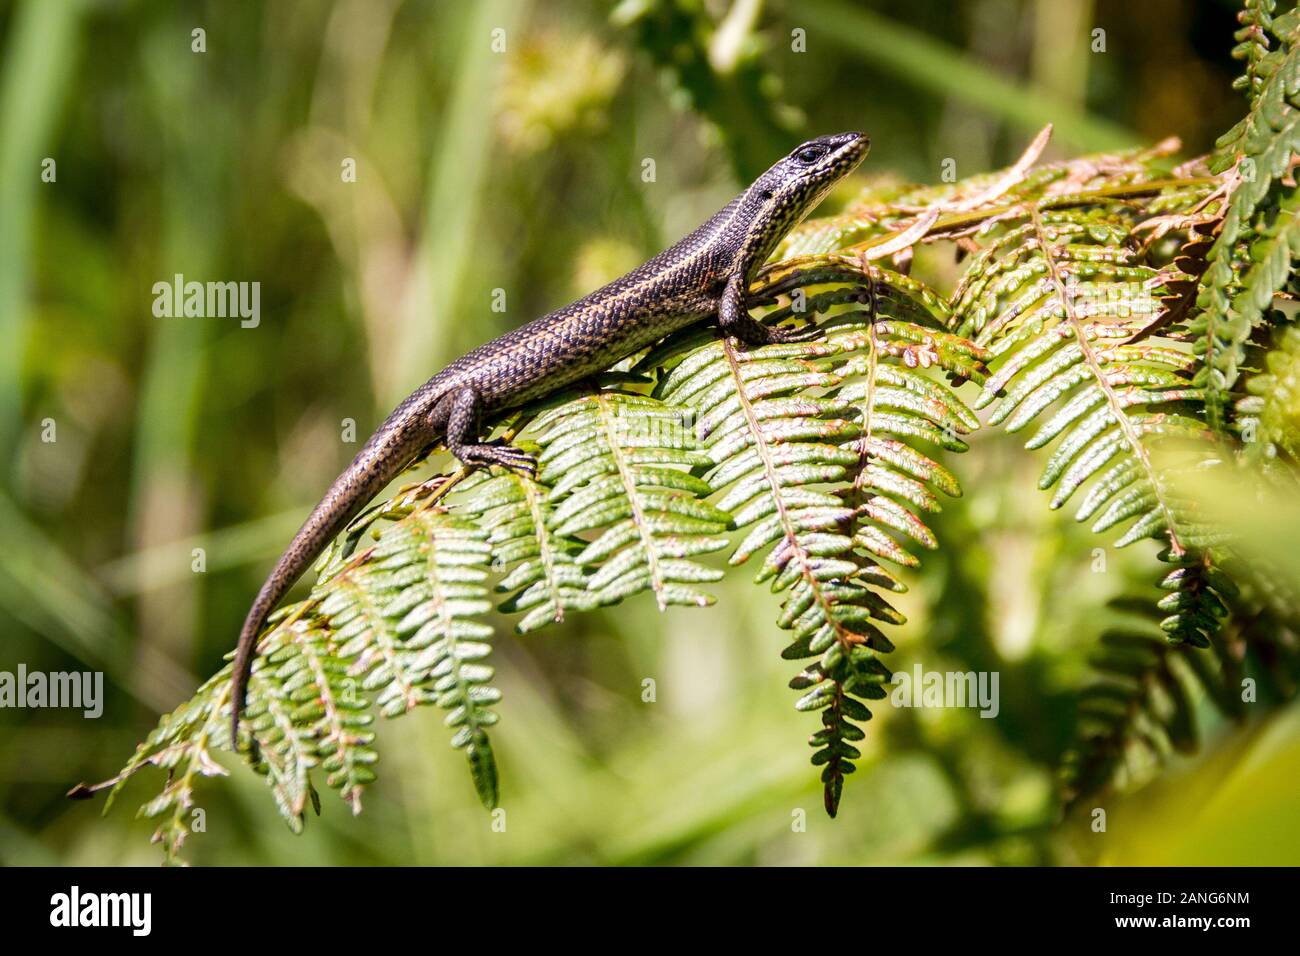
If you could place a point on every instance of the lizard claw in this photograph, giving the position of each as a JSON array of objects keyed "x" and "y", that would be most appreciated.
[
  {"x": 805, "y": 333},
  {"x": 522, "y": 464},
  {"x": 755, "y": 334},
  {"x": 497, "y": 452}
]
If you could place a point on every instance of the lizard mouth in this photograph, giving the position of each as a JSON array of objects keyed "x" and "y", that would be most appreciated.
[{"x": 851, "y": 149}]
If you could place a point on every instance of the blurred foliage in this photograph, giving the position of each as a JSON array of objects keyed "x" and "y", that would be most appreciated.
[{"x": 522, "y": 171}]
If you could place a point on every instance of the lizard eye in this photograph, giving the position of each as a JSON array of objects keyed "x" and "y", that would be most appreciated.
[{"x": 809, "y": 154}]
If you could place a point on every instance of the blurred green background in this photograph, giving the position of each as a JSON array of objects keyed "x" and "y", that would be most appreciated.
[{"x": 521, "y": 170}]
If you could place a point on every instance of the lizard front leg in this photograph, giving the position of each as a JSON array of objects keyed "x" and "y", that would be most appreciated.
[
  {"x": 734, "y": 319},
  {"x": 458, "y": 413}
]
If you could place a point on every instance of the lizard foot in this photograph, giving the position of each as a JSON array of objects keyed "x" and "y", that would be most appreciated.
[
  {"x": 497, "y": 452},
  {"x": 754, "y": 333},
  {"x": 804, "y": 333}
]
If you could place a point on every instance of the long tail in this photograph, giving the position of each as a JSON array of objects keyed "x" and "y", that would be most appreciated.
[{"x": 382, "y": 459}]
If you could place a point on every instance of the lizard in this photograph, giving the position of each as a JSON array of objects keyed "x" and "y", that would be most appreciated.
[{"x": 705, "y": 274}]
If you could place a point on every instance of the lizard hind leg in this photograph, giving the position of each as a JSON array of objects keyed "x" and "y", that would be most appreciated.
[{"x": 460, "y": 412}]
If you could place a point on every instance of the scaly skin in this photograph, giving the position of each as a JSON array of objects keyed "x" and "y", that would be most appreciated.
[{"x": 706, "y": 273}]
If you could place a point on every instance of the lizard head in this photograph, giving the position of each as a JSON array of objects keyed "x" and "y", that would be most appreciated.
[{"x": 793, "y": 187}]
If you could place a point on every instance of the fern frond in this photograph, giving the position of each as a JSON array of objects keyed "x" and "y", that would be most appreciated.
[
  {"x": 968, "y": 205},
  {"x": 1270, "y": 637},
  {"x": 354, "y": 604},
  {"x": 1256, "y": 19},
  {"x": 1267, "y": 132},
  {"x": 1259, "y": 152},
  {"x": 545, "y": 578},
  {"x": 182, "y": 744},
  {"x": 1138, "y": 713},
  {"x": 1272, "y": 408},
  {"x": 1141, "y": 708},
  {"x": 303, "y": 713},
  {"x": 1067, "y": 306},
  {"x": 618, "y": 465},
  {"x": 771, "y": 447},
  {"x": 1272, "y": 254},
  {"x": 406, "y": 619},
  {"x": 811, "y": 447}
]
